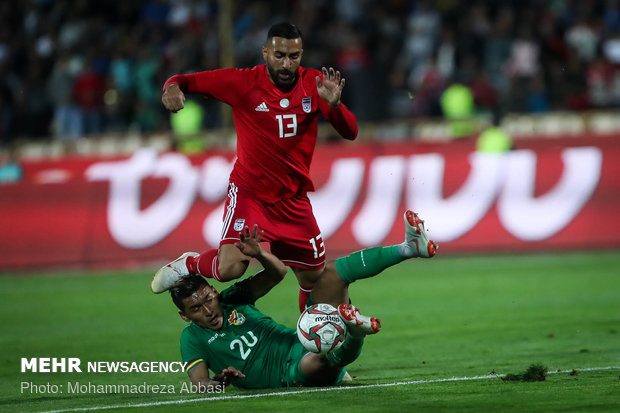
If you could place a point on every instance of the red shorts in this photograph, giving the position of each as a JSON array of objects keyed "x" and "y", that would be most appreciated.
[{"x": 289, "y": 225}]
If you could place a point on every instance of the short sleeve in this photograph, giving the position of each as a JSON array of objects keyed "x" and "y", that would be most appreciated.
[{"x": 192, "y": 352}]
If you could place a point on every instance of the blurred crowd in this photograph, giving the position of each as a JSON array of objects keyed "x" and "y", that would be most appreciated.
[{"x": 71, "y": 68}]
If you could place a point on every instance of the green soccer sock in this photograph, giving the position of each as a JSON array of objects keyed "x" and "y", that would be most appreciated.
[
  {"x": 367, "y": 263},
  {"x": 348, "y": 352}
]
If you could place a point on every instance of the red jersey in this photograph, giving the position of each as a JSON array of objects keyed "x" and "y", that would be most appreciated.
[{"x": 276, "y": 131}]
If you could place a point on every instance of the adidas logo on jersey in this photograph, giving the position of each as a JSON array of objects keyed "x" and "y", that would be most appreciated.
[{"x": 262, "y": 108}]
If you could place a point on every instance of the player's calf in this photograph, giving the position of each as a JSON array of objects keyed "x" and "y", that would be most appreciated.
[{"x": 230, "y": 264}]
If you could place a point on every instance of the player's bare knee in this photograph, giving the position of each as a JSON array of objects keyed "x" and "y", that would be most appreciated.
[
  {"x": 330, "y": 275},
  {"x": 327, "y": 374},
  {"x": 231, "y": 263},
  {"x": 308, "y": 277},
  {"x": 330, "y": 267},
  {"x": 319, "y": 370}
]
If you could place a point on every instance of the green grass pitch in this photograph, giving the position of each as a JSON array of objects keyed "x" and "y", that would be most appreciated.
[{"x": 449, "y": 317}]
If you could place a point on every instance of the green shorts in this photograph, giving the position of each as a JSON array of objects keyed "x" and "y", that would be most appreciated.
[{"x": 293, "y": 376}]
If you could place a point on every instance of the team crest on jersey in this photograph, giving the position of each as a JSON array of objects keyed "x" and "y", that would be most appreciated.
[
  {"x": 306, "y": 104},
  {"x": 239, "y": 224},
  {"x": 236, "y": 319}
]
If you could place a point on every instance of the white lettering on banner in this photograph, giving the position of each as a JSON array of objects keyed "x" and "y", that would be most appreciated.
[
  {"x": 385, "y": 187},
  {"x": 333, "y": 202},
  {"x": 130, "y": 226},
  {"x": 214, "y": 176},
  {"x": 212, "y": 226},
  {"x": 213, "y": 187},
  {"x": 453, "y": 216},
  {"x": 533, "y": 219},
  {"x": 507, "y": 178}
]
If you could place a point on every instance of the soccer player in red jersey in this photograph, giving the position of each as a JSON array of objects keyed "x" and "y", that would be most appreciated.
[
  {"x": 271, "y": 355},
  {"x": 275, "y": 109}
]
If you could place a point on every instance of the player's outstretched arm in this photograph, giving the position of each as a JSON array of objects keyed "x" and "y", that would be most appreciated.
[
  {"x": 274, "y": 269},
  {"x": 199, "y": 376},
  {"x": 330, "y": 90}
]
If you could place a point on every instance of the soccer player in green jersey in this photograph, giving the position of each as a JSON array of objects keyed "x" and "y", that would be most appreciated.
[{"x": 228, "y": 335}]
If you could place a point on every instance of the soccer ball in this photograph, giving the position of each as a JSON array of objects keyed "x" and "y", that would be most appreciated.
[{"x": 320, "y": 329}]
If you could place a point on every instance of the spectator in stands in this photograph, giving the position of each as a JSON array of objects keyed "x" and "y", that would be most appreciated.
[
  {"x": 9, "y": 83},
  {"x": 88, "y": 92},
  {"x": 36, "y": 110},
  {"x": 528, "y": 52},
  {"x": 66, "y": 124},
  {"x": 10, "y": 167}
]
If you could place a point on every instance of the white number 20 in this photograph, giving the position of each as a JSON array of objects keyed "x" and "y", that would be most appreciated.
[
  {"x": 291, "y": 127},
  {"x": 238, "y": 343}
]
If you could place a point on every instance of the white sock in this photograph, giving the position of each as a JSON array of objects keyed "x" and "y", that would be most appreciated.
[{"x": 406, "y": 251}]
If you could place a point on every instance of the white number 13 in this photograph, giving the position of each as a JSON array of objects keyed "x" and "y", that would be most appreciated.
[
  {"x": 317, "y": 242},
  {"x": 292, "y": 126}
]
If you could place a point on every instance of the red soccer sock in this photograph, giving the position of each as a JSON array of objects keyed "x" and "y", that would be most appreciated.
[
  {"x": 204, "y": 264},
  {"x": 304, "y": 294}
]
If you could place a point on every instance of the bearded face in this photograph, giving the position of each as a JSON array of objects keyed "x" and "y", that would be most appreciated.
[
  {"x": 283, "y": 78},
  {"x": 283, "y": 57}
]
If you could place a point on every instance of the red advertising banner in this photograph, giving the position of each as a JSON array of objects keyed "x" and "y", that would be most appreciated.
[{"x": 548, "y": 194}]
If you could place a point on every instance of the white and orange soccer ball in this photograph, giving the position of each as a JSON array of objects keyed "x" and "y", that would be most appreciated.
[{"x": 320, "y": 329}]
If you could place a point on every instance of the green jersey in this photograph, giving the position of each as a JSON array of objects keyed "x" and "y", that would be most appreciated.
[{"x": 249, "y": 341}]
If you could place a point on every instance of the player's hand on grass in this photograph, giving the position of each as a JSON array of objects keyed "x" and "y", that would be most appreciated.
[
  {"x": 173, "y": 98},
  {"x": 249, "y": 243},
  {"x": 330, "y": 88},
  {"x": 228, "y": 375}
]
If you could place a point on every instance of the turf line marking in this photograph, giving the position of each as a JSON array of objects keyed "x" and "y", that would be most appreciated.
[{"x": 311, "y": 390}]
